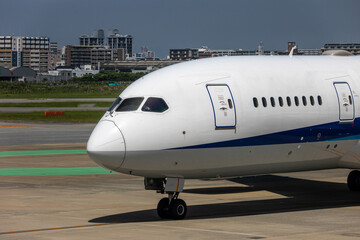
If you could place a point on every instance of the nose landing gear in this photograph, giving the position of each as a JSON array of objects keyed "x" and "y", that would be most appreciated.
[{"x": 171, "y": 207}]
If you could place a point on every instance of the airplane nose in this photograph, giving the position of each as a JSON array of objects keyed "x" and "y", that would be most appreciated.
[{"x": 106, "y": 145}]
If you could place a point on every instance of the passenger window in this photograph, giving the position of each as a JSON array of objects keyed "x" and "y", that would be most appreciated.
[
  {"x": 296, "y": 101},
  {"x": 312, "y": 100},
  {"x": 304, "y": 100},
  {"x": 153, "y": 104},
  {"x": 281, "y": 103},
  {"x": 255, "y": 101},
  {"x": 115, "y": 103},
  {"x": 319, "y": 100},
  {"x": 264, "y": 103},
  {"x": 272, "y": 100},
  {"x": 288, "y": 100},
  {"x": 350, "y": 100},
  {"x": 130, "y": 104}
]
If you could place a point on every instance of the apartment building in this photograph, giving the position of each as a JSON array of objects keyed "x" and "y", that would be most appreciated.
[{"x": 24, "y": 52}]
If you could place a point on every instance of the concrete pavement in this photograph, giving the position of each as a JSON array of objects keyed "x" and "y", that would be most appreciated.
[{"x": 307, "y": 205}]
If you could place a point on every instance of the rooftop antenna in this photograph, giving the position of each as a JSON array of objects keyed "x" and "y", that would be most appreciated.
[{"x": 292, "y": 51}]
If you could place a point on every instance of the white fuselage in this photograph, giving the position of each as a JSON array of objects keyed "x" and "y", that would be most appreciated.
[{"x": 217, "y": 124}]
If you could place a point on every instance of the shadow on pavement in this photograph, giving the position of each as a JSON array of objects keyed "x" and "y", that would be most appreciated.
[{"x": 301, "y": 195}]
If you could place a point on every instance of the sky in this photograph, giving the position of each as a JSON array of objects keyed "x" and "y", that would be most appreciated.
[{"x": 164, "y": 24}]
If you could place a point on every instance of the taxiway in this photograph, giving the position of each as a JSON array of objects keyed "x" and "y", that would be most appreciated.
[{"x": 67, "y": 205}]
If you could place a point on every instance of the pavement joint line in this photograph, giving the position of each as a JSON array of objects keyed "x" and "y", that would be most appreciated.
[
  {"x": 57, "y": 228},
  {"x": 41, "y": 152}
]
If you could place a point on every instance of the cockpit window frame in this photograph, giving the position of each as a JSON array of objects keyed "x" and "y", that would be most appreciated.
[{"x": 115, "y": 104}]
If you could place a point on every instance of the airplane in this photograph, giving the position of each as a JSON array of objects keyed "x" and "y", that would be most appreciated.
[{"x": 224, "y": 117}]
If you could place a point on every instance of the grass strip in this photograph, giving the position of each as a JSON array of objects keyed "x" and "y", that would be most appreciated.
[
  {"x": 53, "y": 171},
  {"x": 70, "y": 116},
  {"x": 41, "y": 152},
  {"x": 69, "y": 90}
]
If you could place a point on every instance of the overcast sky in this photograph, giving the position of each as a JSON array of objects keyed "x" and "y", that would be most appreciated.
[{"x": 165, "y": 24}]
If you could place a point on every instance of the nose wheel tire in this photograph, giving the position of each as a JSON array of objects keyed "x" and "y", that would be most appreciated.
[
  {"x": 163, "y": 208},
  {"x": 353, "y": 180},
  {"x": 176, "y": 210}
]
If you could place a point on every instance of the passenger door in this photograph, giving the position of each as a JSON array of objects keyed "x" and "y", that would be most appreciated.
[
  {"x": 223, "y": 106},
  {"x": 346, "y": 102}
]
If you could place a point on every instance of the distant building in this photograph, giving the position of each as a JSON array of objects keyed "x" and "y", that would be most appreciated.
[
  {"x": 261, "y": 51},
  {"x": 299, "y": 51},
  {"x": 95, "y": 39},
  {"x": 95, "y": 49},
  {"x": 68, "y": 72},
  {"x": 184, "y": 54},
  {"x": 218, "y": 53},
  {"x": 54, "y": 56},
  {"x": 101, "y": 55},
  {"x": 5, "y": 74},
  {"x": 291, "y": 45},
  {"x": 354, "y": 48},
  {"x": 84, "y": 70},
  {"x": 17, "y": 74},
  {"x": 136, "y": 66},
  {"x": 77, "y": 55},
  {"x": 145, "y": 54},
  {"x": 205, "y": 52},
  {"x": 116, "y": 41},
  {"x": 24, "y": 74},
  {"x": 311, "y": 52},
  {"x": 6, "y": 58},
  {"x": 29, "y": 52},
  {"x": 53, "y": 48}
]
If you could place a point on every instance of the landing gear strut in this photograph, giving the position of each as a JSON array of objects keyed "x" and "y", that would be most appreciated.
[
  {"x": 353, "y": 180},
  {"x": 171, "y": 207}
]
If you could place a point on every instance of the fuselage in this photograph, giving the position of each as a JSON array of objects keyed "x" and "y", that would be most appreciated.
[{"x": 234, "y": 116}]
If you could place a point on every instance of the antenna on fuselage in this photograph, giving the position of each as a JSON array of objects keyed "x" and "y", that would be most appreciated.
[{"x": 292, "y": 51}]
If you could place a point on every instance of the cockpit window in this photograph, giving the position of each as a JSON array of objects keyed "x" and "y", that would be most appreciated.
[
  {"x": 130, "y": 104},
  {"x": 116, "y": 102},
  {"x": 153, "y": 104}
]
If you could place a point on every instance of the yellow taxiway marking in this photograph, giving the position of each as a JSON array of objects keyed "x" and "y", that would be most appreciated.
[{"x": 18, "y": 127}]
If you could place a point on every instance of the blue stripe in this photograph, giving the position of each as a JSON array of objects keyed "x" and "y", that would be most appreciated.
[{"x": 319, "y": 133}]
